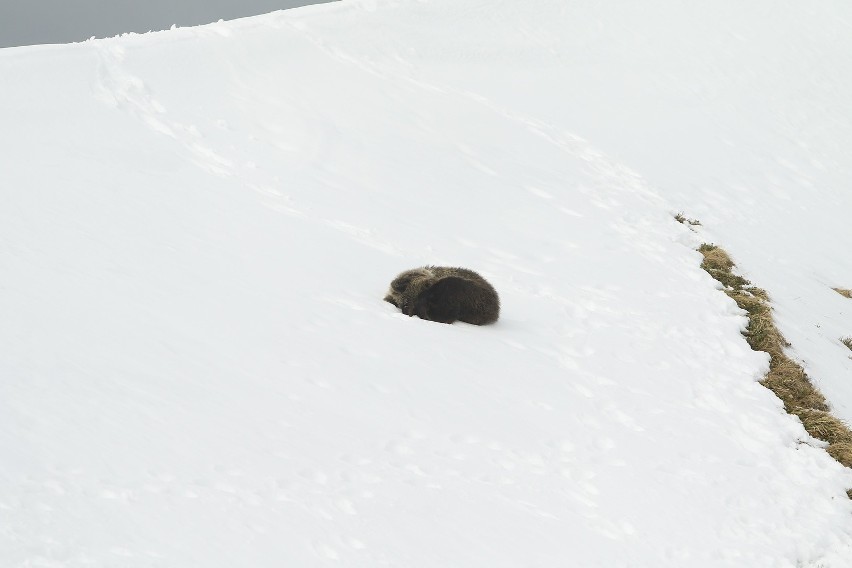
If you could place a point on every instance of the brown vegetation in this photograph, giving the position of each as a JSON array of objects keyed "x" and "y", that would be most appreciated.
[
  {"x": 843, "y": 292},
  {"x": 786, "y": 378},
  {"x": 681, "y": 219}
]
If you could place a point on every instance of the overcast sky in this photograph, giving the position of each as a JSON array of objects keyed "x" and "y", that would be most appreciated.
[{"x": 26, "y": 22}]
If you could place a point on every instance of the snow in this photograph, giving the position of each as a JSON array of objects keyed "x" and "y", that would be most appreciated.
[{"x": 198, "y": 227}]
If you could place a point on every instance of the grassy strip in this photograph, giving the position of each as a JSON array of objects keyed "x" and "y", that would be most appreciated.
[
  {"x": 786, "y": 378},
  {"x": 843, "y": 292},
  {"x": 847, "y": 341}
]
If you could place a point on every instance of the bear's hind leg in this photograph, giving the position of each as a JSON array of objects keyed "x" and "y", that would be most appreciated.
[{"x": 440, "y": 302}]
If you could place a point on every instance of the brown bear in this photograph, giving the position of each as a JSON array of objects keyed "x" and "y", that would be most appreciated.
[{"x": 445, "y": 294}]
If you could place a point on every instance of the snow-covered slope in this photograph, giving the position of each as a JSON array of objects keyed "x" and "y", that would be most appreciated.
[{"x": 198, "y": 226}]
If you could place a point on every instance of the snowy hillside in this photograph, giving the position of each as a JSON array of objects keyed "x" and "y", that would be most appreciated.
[{"x": 198, "y": 227}]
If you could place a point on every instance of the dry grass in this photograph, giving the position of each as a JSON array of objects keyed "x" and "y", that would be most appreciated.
[
  {"x": 786, "y": 378},
  {"x": 686, "y": 221},
  {"x": 847, "y": 341},
  {"x": 843, "y": 292},
  {"x": 788, "y": 381},
  {"x": 826, "y": 426},
  {"x": 715, "y": 258}
]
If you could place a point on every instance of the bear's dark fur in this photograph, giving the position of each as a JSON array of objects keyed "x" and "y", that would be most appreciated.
[{"x": 445, "y": 294}]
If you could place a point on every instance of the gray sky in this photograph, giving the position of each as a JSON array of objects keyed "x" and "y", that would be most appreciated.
[{"x": 26, "y": 22}]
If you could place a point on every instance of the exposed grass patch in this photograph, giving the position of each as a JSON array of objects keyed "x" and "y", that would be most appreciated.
[
  {"x": 843, "y": 292},
  {"x": 847, "y": 341},
  {"x": 788, "y": 381},
  {"x": 718, "y": 264},
  {"x": 686, "y": 221},
  {"x": 786, "y": 378}
]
